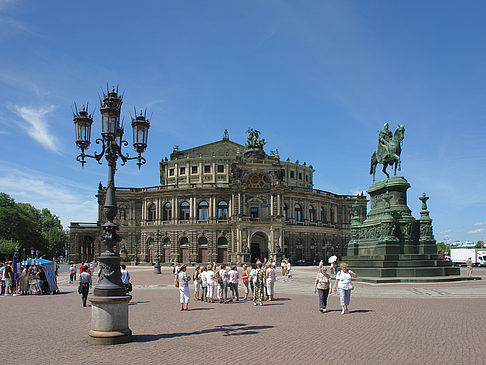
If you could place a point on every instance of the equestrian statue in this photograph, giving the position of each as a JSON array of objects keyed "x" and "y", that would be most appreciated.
[{"x": 388, "y": 151}]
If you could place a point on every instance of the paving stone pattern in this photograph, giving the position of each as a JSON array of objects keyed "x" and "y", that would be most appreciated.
[{"x": 430, "y": 324}]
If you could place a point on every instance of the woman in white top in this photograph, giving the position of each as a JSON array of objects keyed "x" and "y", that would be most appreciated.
[
  {"x": 184, "y": 293},
  {"x": 270, "y": 280},
  {"x": 344, "y": 284},
  {"x": 210, "y": 283},
  {"x": 223, "y": 284},
  {"x": 197, "y": 282},
  {"x": 204, "y": 285}
]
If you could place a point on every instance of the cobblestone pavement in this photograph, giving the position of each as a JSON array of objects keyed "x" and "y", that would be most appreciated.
[{"x": 399, "y": 324}]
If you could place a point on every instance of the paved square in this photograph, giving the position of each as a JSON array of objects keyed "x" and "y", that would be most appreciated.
[{"x": 399, "y": 324}]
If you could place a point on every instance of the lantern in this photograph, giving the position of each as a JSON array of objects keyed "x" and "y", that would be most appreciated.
[
  {"x": 140, "y": 127},
  {"x": 82, "y": 125}
]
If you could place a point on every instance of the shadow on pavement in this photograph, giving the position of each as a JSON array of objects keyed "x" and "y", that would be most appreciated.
[
  {"x": 226, "y": 330},
  {"x": 201, "y": 309},
  {"x": 361, "y": 311}
]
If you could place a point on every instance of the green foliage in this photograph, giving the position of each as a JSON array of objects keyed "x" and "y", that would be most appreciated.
[
  {"x": 30, "y": 227},
  {"x": 479, "y": 244},
  {"x": 442, "y": 248},
  {"x": 7, "y": 248}
]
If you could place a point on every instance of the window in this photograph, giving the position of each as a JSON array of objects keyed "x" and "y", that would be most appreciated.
[
  {"x": 152, "y": 212},
  {"x": 194, "y": 169},
  {"x": 306, "y": 177},
  {"x": 285, "y": 212},
  {"x": 167, "y": 212},
  {"x": 298, "y": 213},
  {"x": 323, "y": 215},
  {"x": 300, "y": 175},
  {"x": 220, "y": 168},
  {"x": 171, "y": 172},
  {"x": 253, "y": 212},
  {"x": 203, "y": 241},
  {"x": 207, "y": 169},
  {"x": 184, "y": 211},
  {"x": 203, "y": 211},
  {"x": 222, "y": 210},
  {"x": 311, "y": 214},
  {"x": 182, "y": 171},
  {"x": 292, "y": 174}
]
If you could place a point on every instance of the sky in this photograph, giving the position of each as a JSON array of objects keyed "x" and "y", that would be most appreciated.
[{"x": 317, "y": 78}]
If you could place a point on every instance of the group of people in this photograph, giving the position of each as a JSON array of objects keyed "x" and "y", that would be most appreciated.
[
  {"x": 223, "y": 283},
  {"x": 29, "y": 279},
  {"x": 90, "y": 268}
]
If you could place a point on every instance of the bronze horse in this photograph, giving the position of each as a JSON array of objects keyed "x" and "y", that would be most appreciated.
[{"x": 392, "y": 158}]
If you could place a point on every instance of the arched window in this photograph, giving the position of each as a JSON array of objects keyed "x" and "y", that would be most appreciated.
[
  {"x": 312, "y": 218},
  {"x": 323, "y": 215},
  {"x": 152, "y": 212},
  {"x": 184, "y": 241},
  {"x": 203, "y": 241},
  {"x": 184, "y": 211},
  {"x": 298, "y": 213},
  {"x": 222, "y": 210},
  {"x": 222, "y": 241},
  {"x": 333, "y": 218},
  {"x": 203, "y": 211},
  {"x": 166, "y": 241},
  {"x": 167, "y": 212},
  {"x": 285, "y": 212}
]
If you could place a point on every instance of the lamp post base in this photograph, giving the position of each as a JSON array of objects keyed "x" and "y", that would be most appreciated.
[
  {"x": 109, "y": 320},
  {"x": 157, "y": 268}
]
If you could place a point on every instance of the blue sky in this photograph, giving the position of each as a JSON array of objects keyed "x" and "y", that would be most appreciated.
[{"x": 318, "y": 78}]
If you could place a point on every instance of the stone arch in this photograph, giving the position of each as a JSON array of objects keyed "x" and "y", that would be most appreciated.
[{"x": 259, "y": 245}]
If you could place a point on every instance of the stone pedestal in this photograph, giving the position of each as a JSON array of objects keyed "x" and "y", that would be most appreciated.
[
  {"x": 157, "y": 267},
  {"x": 109, "y": 320},
  {"x": 391, "y": 245}
]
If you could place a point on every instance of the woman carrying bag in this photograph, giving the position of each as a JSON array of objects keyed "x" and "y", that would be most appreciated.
[{"x": 344, "y": 284}]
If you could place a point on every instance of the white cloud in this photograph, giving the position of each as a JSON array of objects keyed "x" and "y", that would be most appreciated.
[
  {"x": 67, "y": 199},
  {"x": 36, "y": 126},
  {"x": 446, "y": 231},
  {"x": 479, "y": 230},
  {"x": 479, "y": 223},
  {"x": 5, "y": 4}
]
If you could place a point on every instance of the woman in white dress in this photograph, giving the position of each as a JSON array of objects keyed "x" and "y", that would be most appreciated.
[
  {"x": 184, "y": 292},
  {"x": 210, "y": 283}
]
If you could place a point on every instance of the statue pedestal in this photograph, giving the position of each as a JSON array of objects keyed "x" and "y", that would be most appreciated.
[
  {"x": 391, "y": 245},
  {"x": 109, "y": 320}
]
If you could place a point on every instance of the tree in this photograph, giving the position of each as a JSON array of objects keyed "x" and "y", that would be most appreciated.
[
  {"x": 442, "y": 248},
  {"x": 479, "y": 244},
  {"x": 7, "y": 248},
  {"x": 30, "y": 227}
]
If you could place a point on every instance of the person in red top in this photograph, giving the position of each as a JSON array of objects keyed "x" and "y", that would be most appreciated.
[{"x": 81, "y": 269}]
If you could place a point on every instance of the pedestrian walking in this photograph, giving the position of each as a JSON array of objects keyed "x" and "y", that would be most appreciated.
[
  {"x": 283, "y": 265},
  {"x": 197, "y": 282},
  {"x": 270, "y": 278},
  {"x": 125, "y": 276},
  {"x": 41, "y": 279},
  {"x": 210, "y": 282},
  {"x": 84, "y": 284},
  {"x": 344, "y": 284},
  {"x": 2, "y": 271},
  {"x": 245, "y": 277},
  {"x": 184, "y": 293},
  {"x": 469, "y": 266},
  {"x": 9, "y": 276},
  {"x": 322, "y": 286},
  {"x": 288, "y": 269},
  {"x": 259, "y": 285}
]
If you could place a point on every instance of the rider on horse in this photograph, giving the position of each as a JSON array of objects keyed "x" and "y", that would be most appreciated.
[{"x": 384, "y": 139}]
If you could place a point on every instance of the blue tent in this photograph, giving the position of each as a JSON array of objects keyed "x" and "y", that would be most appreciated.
[{"x": 49, "y": 269}]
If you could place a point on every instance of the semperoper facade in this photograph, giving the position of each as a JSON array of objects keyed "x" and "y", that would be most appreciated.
[{"x": 225, "y": 202}]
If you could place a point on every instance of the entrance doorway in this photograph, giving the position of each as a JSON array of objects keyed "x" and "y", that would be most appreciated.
[{"x": 258, "y": 246}]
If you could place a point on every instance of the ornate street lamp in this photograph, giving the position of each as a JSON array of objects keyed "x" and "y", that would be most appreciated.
[
  {"x": 157, "y": 258},
  {"x": 110, "y": 284}
]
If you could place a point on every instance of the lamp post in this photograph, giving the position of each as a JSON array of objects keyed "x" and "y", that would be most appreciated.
[
  {"x": 110, "y": 295},
  {"x": 157, "y": 258}
]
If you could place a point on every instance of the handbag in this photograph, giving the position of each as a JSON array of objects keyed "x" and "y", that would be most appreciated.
[
  {"x": 130, "y": 288},
  {"x": 176, "y": 283},
  {"x": 350, "y": 286},
  {"x": 80, "y": 289}
]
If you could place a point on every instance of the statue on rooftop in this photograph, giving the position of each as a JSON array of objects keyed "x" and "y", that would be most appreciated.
[{"x": 254, "y": 142}]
